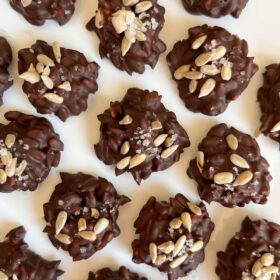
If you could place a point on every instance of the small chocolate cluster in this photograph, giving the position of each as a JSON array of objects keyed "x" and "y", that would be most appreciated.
[
  {"x": 139, "y": 135},
  {"x": 128, "y": 31},
  {"x": 172, "y": 236},
  {"x": 211, "y": 69},
  {"x": 269, "y": 99},
  {"x": 252, "y": 254},
  {"x": 37, "y": 12},
  {"x": 215, "y": 8},
  {"x": 29, "y": 148},
  {"x": 121, "y": 274},
  {"x": 17, "y": 262},
  {"x": 82, "y": 214},
  {"x": 57, "y": 80},
  {"x": 5, "y": 61},
  {"x": 229, "y": 168}
]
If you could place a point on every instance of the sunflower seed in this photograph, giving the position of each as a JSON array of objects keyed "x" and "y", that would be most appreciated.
[
  {"x": 46, "y": 71},
  {"x": 210, "y": 70},
  {"x": 88, "y": 235},
  {"x": 82, "y": 224},
  {"x": 125, "y": 148},
  {"x": 197, "y": 43},
  {"x": 45, "y": 60},
  {"x": 137, "y": 160},
  {"x": 119, "y": 24},
  {"x": 31, "y": 77},
  {"x": 177, "y": 262},
  {"x": 63, "y": 238},
  {"x": 257, "y": 268},
  {"x": 197, "y": 246},
  {"x": 10, "y": 140},
  {"x": 130, "y": 35},
  {"x": 176, "y": 223},
  {"x": 168, "y": 142},
  {"x": 226, "y": 72},
  {"x": 200, "y": 159},
  {"x": 3, "y": 176},
  {"x": 223, "y": 178},
  {"x": 194, "y": 208},
  {"x": 48, "y": 82},
  {"x": 275, "y": 128},
  {"x": 160, "y": 260},
  {"x": 6, "y": 158},
  {"x": 123, "y": 163},
  {"x": 10, "y": 169},
  {"x": 60, "y": 221},
  {"x": 267, "y": 259},
  {"x": 187, "y": 221},
  {"x": 129, "y": 18},
  {"x": 56, "y": 51},
  {"x": 179, "y": 245},
  {"x": 143, "y": 7},
  {"x": 239, "y": 161},
  {"x": 218, "y": 53},
  {"x": 65, "y": 86},
  {"x": 99, "y": 19},
  {"x": 155, "y": 125},
  {"x": 94, "y": 213},
  {"x": 153, "y": 251},
  {"x": 271, "y": 269},
  {"x": 126, "y": 120},
  {"x": 25, "y": 3},
  {"x": 166, "y": 247},
  {"x": 160, "y": 139},
  {"x": 232, "y": 142},
  {"x": 245, "y": 277},
  {"x": 203, "y": 58},
  {"x": 54, "y": 98},
  {"x": 193, "y": 75},
  {"x": 14, "y": 277},
  {"x": 179, "y": 73},
  {"x": 40, "y": 67},
  {"x": 243, "y": 178},
  {"x": 207, "y": 88},
  {"x": 273, "y": 277},
  {"x": 140, "y": 36},
  {"x": 193, "y": 86},
  {"x": 20, "y": 169},
  {"x": 101, "y": 225},
  {"x": 169, "y": 151}
]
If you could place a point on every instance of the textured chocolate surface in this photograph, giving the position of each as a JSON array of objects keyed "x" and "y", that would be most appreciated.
[
  {"x": 122, "y": 274},
  {"x": 269, "y": 99},
  {"x": 78, "y": 209},
  {"x": 185, "y": 226},
  {"x": 61, "y": 85},
  {"x": 229, "y": 168},
  {"x": 139, "y": 135},
  {"x": 145, "y": 26},
  {"x": 37, "y": 12},
  {"x": 18, "y": 262},
  {"x": 29, "y": 148},
  {"x": 211, "y": 69},
  {"x": 5, "y": 61},
  {"x": 215, "y": 8},
  {"x": 247, "y": 247}
]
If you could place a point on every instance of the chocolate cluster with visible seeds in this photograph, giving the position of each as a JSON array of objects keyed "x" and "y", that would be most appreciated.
[
  {"x": 229, "y": 168},
  {"x": 215, "y": 8},
  {"x": 57, "y": 80},
  {"x": 82, "y": 214},
  {"x": 17, "y": 262},
  {"x": 139, "y": 135},
  {"x": 252, "y": 254},
  {"x": 37, "y": 12},
  {"x": 121, "y": 274},
  {"x": 5, "y": 61},
  {"x": 129, "y": 33},
  {"x": 269, "y": 99},
  {"x": 172, "y": 236},
  {"x": 211, "y": 69},
  {"x": 29, "y": 148}
]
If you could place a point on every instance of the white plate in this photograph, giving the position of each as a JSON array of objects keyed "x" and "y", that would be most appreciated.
[{"x": 259, "y": 25}]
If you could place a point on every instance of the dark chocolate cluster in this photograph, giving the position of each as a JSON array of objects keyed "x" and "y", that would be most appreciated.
[
  {"x": 29, "y": 148},
  {"x": 211, "y": 69},
  {"x": 17, "y": 262},
  {"x": 252, "y": 254},
  {"x": 139, "y": 135},
  {"x": 229, "y": 168},
  {"x": 57, "y": 80},
  {"x": 129, "y": 33},
  {"x": 172, "y": 236},
  {"x": 82, "y": 214},
  {"x": 37, "y": 12}
]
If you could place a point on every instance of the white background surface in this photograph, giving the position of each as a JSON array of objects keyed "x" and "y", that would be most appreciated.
[{"x": 259, "y": 24}]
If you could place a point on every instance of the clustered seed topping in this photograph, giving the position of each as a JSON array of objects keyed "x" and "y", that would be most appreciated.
[
  {"x": 42, "y": 71},
  {"x": 210, "y": 63},
  {"x": 9, "y": 161},
  {"x": 177, "y": 252},
  {"x": 263, "y": 268},
  {"x": 25, "y": 3}
]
